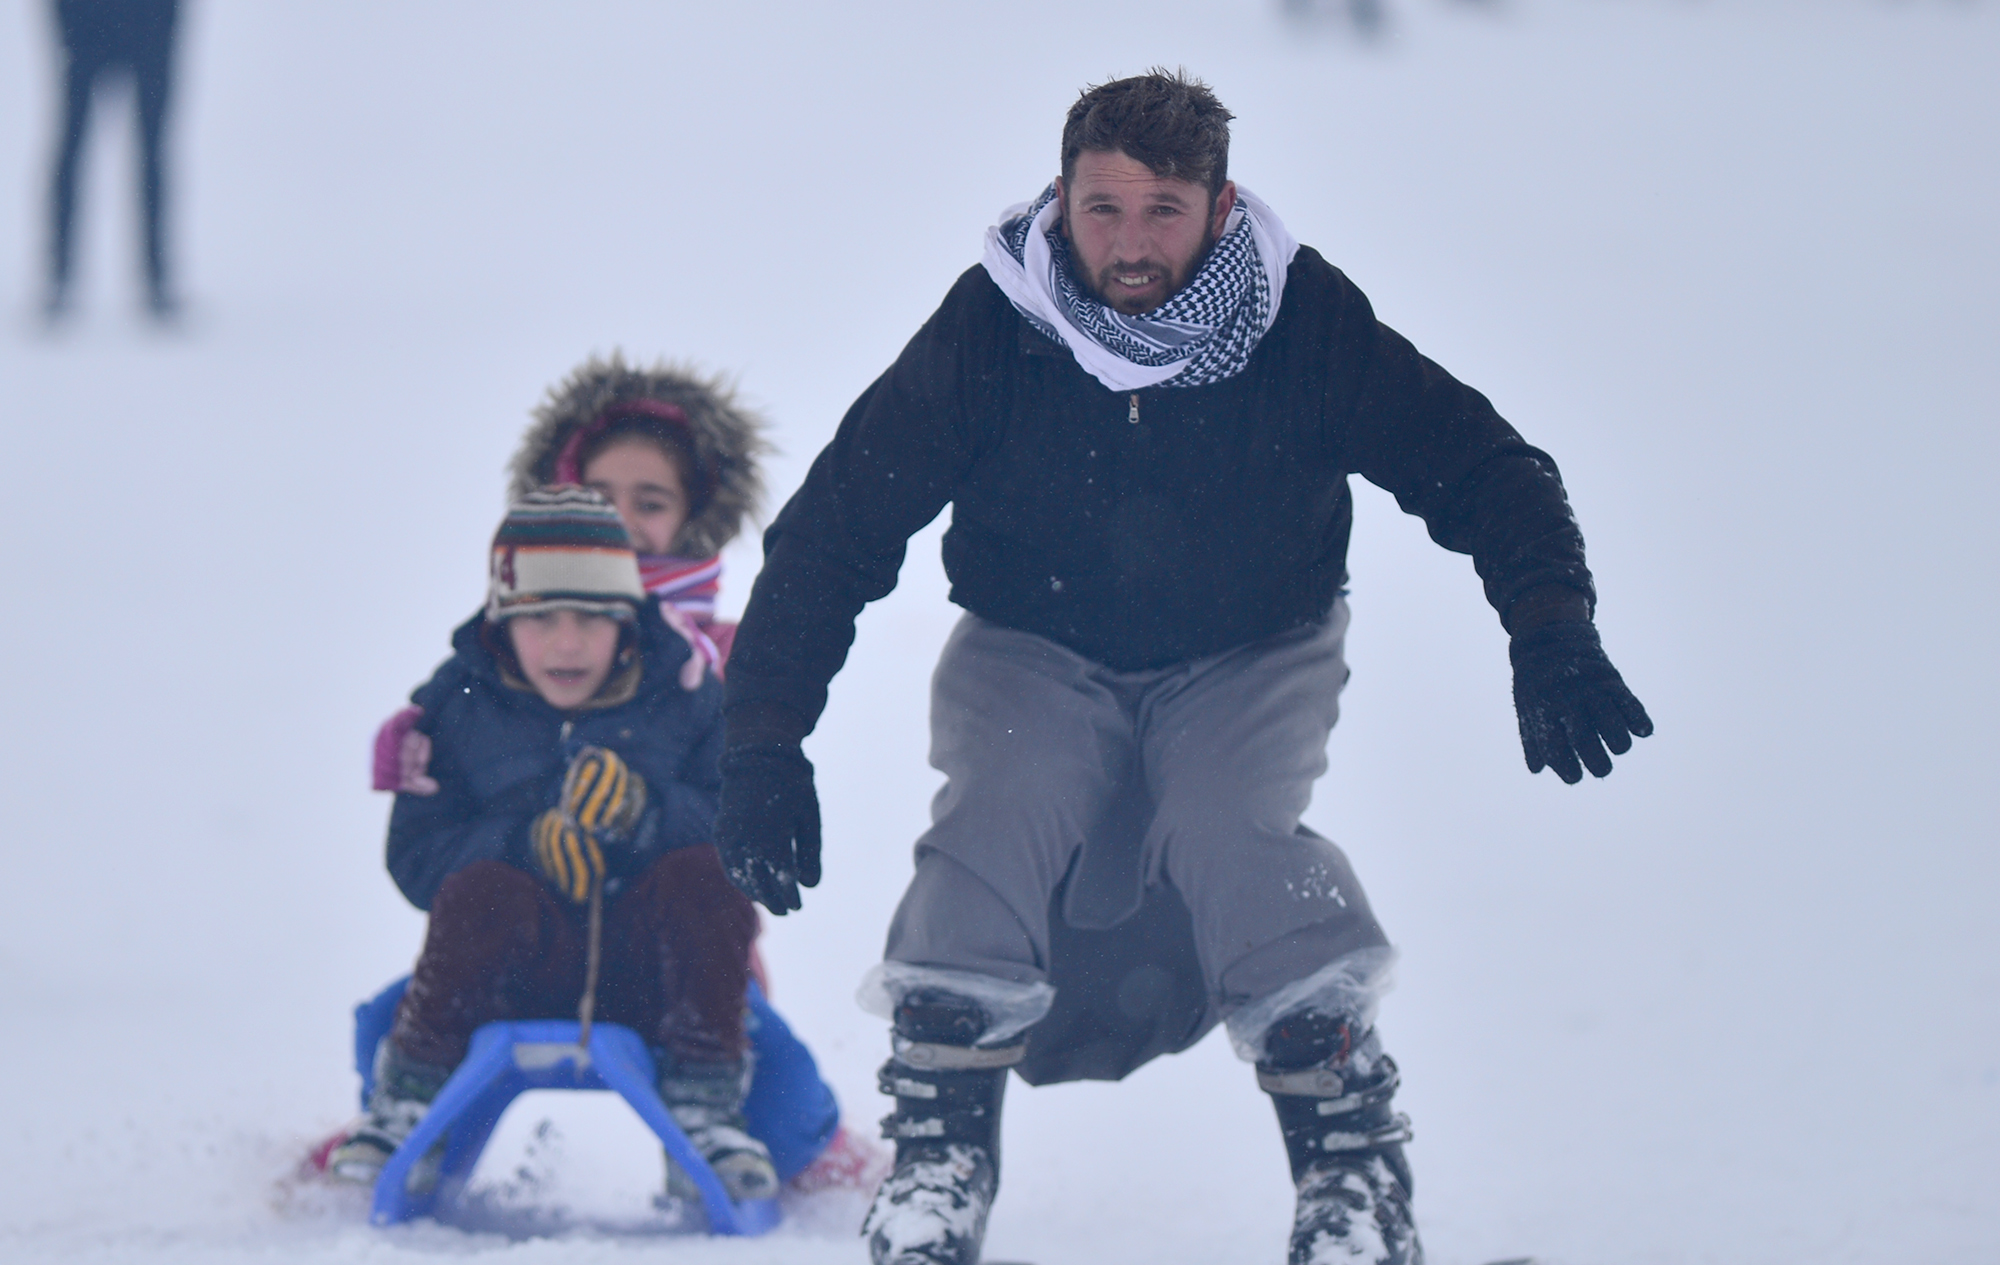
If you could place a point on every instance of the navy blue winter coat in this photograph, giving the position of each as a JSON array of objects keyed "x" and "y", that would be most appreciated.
[{"x": 499, "y": 753}]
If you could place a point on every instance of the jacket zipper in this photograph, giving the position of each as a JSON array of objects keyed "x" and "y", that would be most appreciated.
[{"x": 1133, "y": 416}]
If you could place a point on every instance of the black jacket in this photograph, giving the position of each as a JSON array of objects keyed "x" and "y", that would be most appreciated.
[
  {"x": 1218, "y": 517},
  {"x": 499, "y": 754}
]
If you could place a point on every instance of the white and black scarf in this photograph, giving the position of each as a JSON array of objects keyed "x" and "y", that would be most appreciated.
[{"x": 1201, "y": 335}]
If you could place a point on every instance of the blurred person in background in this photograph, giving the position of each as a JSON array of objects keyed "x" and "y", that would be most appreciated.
[
  {"x": 1365, "y": 15},
  {"x": 1143, "y": 408},
  {"x": 1368, "y": 19},
  {"x": 101, "y": 41}
]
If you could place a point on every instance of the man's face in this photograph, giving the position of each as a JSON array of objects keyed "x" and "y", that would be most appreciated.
[{"x": 1137, "y": 238}]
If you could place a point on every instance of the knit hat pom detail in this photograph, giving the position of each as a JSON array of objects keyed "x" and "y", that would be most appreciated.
[{"x": 563, "y": 548}]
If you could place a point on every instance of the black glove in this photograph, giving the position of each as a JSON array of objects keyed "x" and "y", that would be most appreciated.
[
  {"x": 768, "y": 826},
  {"x": 1571, "y": 702}
]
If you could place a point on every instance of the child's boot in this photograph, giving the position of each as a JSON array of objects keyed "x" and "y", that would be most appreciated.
[
  {"x": 1345, "y": 1143},
  {"x": 932, "y": 1208},
  {"x": 398, "y": 1103},
  {"x": 706, "y": 1101}
]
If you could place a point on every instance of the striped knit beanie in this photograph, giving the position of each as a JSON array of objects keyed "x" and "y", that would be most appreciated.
[{"x": 563, "y": 548}]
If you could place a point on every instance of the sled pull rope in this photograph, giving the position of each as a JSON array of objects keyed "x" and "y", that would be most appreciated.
[{"x": 593, "y": 955}]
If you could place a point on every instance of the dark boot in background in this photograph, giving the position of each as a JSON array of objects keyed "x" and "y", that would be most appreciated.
[
  {"x": 398, "y": 1103},
  {"x": 706, "y": 1101}
]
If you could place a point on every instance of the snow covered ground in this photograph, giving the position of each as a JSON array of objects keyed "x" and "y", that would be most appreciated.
[{"x": 1733, "y": 263}]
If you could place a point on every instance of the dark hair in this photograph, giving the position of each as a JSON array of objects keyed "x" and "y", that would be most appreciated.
[
  {"x": 674, "y": 443},
  {"x": 1168, "y": 121}
]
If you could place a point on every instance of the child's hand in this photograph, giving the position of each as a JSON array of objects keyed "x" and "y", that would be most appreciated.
[
  {"x": 568, "y": 857},
  {"x": 703, "y": 656},
  {"x": 602, "y": 795},
  {"x": 403, "y": 755},
  {"x": 413, "y": 764}
]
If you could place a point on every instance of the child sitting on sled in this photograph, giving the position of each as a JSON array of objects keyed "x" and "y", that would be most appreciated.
[
  {"x": 572, "y": 762},
  {"x": 678, "y": 457}
]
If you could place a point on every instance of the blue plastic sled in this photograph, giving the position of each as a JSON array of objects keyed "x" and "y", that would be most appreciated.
[{"x": 789, "y": 1107}]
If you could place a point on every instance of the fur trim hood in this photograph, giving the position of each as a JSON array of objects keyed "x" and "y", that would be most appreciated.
[{"x": 728, "y": 439}]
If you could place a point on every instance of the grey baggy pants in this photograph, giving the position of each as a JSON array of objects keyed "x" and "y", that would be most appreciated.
[{"x": 1193, "y": 776}]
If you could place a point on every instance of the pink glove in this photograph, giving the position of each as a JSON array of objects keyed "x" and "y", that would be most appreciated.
[{"x": 403, "y": 755}]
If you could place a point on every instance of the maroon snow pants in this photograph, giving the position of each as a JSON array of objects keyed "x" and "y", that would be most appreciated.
[{"x": 503, "y": 945}]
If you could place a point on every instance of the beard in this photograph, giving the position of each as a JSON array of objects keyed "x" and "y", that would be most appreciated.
[{"x": 1103, "y": 286}]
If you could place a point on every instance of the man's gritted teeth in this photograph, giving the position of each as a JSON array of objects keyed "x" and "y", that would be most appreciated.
[{"x": 1121, "y": 284}]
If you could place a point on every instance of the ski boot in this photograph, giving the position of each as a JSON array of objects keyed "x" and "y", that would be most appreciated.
[
  {"x": 706, "y": 1101},
  {"x": 398, "y": 1103},
  {"x": 931, "y": 1209},
  {"x": 1344, "y": 1141}
]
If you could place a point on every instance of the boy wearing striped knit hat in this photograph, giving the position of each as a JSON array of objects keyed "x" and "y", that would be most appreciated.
[
  {"x": 570, "y": 760},
  {"x": 678, "y": 455}
]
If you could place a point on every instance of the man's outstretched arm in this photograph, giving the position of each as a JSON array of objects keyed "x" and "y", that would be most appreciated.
[
  {"x": 836, "y": 546},
  {"x": 1446, "y": 454}
]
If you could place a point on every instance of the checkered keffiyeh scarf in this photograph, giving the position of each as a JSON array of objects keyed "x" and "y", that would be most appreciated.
[{"x": 1201, "y": 335}]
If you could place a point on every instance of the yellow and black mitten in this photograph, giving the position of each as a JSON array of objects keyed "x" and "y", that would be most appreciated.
[
  {"x": 569, "y": 857},
  {"x": 602, "y": 794}
]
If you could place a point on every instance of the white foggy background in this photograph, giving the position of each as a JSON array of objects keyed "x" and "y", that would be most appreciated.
[{"x": 1732, "y": 263}]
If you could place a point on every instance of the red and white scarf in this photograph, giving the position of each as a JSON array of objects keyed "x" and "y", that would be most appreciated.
[{"x": 686, "y": 589}]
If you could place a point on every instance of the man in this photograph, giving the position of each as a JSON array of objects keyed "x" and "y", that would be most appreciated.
[
  {"x": 101, "y": 39},
  {"x": 1143, "y": 407}
]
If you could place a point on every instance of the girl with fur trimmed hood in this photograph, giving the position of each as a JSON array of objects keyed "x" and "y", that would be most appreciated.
[{"x": 677, "y": 455}]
